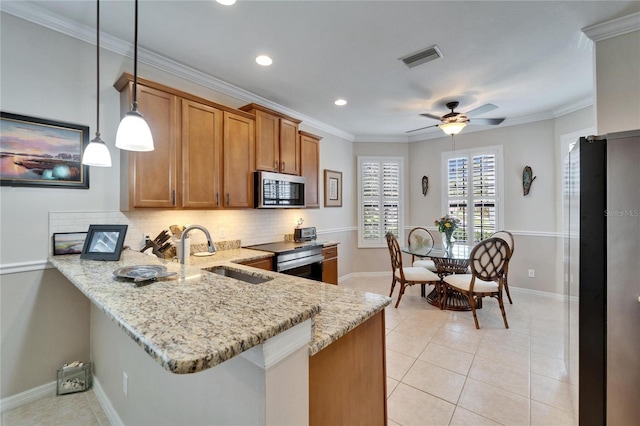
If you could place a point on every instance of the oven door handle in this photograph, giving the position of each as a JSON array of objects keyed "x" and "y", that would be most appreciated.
[{"x": 294, "y": 263}]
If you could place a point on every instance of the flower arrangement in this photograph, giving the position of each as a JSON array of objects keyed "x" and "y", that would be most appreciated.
[{"x": 447, "y": 225}]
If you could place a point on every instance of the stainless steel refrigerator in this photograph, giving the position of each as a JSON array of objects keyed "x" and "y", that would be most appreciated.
[{"x": 602, "y": 276}]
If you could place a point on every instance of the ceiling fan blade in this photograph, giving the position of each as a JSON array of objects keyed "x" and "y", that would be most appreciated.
[
  {"x": 435, "y": 117},
  {"x": 422, "y": 128},
  {"x": 481, "y": 110},
  {"x": 486, "y": 121}
]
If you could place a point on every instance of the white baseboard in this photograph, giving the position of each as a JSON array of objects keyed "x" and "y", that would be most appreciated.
[
  {"x": 105, "y": 403},
  {"x": 23, "y": 398}
]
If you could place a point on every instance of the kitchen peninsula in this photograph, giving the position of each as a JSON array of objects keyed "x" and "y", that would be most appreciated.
[{"x": 219, "y": 350}]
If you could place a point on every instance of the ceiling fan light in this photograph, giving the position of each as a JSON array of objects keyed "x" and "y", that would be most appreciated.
[
  {"x": 134, "y": 133},
  {"x": 452, "y": 128},
  {"x": 96, "y": 154}
]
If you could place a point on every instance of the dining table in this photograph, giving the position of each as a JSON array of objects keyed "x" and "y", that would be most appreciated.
[{"x": 453, "y": 260}]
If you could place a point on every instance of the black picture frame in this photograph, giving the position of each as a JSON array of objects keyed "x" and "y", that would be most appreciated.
[
  {"x": 38, "y": 152},
  {"x": 104, "y": 242},
  {"x": 68, "y": 242}
]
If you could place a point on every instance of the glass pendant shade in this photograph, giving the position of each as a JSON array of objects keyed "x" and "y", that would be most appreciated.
[
  {"x": 134, "y": 133},
  {"x": 97, "y": 154},
  {"x": 452, "y": 128}
]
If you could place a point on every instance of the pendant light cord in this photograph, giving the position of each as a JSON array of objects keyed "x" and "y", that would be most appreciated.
[
  {"x": 135, "y": 61},
  {"x": 98, "y": 72}
]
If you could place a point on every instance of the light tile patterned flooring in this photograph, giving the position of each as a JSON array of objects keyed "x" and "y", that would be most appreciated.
[{"x": 440, "y": 369}]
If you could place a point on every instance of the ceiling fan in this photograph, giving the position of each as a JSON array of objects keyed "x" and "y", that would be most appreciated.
[{"x": 453, "y": 122}]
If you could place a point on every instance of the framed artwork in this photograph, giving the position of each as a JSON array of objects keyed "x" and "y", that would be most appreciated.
[
  {"x": 68, "y": 242},
  {"x": 332, "y": 188},
  {"x": 104, "y": 242},
  {"x": 40, "y": 152}
]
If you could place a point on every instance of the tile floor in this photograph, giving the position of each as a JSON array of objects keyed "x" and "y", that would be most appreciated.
[{"x": 440, "y": 369}]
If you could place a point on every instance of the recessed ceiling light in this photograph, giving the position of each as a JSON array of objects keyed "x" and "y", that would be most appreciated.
[
  {"x": 226, "y": 2},
  {"x": 264, "y": 60},
  {"x": 340, "y": 102}
]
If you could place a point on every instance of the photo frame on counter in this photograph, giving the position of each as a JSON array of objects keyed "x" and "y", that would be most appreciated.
[
  {"x": 104, "y": 242},
  {"x": 332, "y": 188},
  {"x": 68, "y": 242},
  {"x": 42, "y": 153}
]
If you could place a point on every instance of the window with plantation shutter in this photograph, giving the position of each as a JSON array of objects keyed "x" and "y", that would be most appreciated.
[
  {"x": 472, "y": 188},
  {"x": 380, "y": 199}
]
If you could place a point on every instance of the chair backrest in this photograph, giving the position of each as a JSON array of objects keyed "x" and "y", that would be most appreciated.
[
  {"x": 420, "y": 240},
  {"x": 394, "y": 253},
  {"x": 507, "y": 236},
  {"x": 489, "y": 259}
]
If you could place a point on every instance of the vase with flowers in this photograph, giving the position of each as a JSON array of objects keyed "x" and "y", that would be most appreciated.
[{"x": 447, "y": 225}]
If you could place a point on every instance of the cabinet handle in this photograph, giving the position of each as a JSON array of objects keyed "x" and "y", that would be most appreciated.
[
  {"x": 173, "y": 197},
  {"x": 276, "y": 166},
  {"x": 228, "y": 199},
  {"x": 217, "y": 199},
  {"x": 283, "y": 166}
]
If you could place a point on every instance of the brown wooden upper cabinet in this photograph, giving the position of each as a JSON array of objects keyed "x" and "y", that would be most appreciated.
[
  {"x": 277, "y": 141},
  {"x": 309, "y": 167},
  {"x": 203, "y": 155}
]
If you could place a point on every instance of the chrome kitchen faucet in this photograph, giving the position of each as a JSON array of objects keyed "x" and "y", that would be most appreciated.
[{"x": 185, "y": 234}]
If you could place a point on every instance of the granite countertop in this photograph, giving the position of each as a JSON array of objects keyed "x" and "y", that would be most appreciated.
[{"x": 196, "y": 319}]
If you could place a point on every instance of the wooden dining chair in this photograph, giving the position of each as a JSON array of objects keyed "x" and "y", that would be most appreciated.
[
  {"x": 488, "y": 262},
  {"x": 421, "y": 239},
  {"x": 508, "y": 237},
  {"x": 407, "y": 276}
]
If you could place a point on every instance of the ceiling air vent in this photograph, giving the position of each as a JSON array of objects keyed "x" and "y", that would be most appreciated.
[{"x": 425, "y": 55}]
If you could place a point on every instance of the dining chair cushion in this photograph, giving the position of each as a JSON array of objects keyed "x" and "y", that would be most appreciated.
[
  {"x": 412, "y": 273},
  {"x": 463, "y": 282},
  {"x": 424, "y": 263}
]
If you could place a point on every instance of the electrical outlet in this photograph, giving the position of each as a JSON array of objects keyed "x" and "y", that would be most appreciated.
[
  {"x": 532, "y": 273},
  {"x": 221, "y": 232},
  {"x": 125, "y": 384}
]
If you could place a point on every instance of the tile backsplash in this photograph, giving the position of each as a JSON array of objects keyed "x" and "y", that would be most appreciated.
[{"x": 249, "y": 226}]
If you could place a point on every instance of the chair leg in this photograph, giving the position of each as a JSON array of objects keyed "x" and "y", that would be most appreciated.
[
  {"x": 393, "y": 285},
  {"x": 472, "y": 303},
  {"x": 504, "y": 315},
  {"x": 506, "y": 287},
  {"x": 402, "y": 286},
  {"x": 422, "y": 290},
  {"x": 442, "y": 294}
]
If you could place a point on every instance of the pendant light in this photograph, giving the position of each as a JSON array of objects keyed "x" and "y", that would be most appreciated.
[
  {"x": 97, "y": 153},
  {"x": 134, "y": 133}
]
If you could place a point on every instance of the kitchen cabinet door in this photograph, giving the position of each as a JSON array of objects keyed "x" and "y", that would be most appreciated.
[
  {"x": 309, "y": 167},
  {"x": 149, "y": 179},
  {"x": 267, "y": 142},
  {"x": 330, "y": 265},
  {"x": 238, "y": 160},
  {"x": 201, "y": 156},
  {"x": 289, "y": 147}
]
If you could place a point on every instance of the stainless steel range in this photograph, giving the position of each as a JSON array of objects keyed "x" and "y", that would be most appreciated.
[{"x": 302, "y": 259}]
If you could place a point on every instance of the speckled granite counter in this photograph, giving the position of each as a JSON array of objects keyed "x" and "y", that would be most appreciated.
[{"x": 197, "y": 319}]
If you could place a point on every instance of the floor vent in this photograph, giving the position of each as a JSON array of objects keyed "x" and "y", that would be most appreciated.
[{"x": 429, "y": 54}]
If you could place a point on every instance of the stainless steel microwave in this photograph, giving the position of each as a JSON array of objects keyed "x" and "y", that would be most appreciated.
[{"x": 277, "y": 190}]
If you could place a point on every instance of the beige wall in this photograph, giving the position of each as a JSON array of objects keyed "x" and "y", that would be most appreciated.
[{"x": 618, "y": 83}]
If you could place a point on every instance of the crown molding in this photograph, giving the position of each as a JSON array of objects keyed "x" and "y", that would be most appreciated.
[
  {"x": 615, "y": 27},
  {"x": 54, "y": 22},
  {"x": 573, "y": 106}
]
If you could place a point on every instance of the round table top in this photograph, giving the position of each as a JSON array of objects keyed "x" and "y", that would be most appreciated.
[{"x": 459, "y": 251}]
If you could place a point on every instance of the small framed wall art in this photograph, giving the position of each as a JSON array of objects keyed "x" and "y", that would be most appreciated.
[
  {"x": 40, "y": 152},
  {"x": 104, "y": 242},
  {"x": 332, "y": 188},
  {"x": 68, "y": 242}
]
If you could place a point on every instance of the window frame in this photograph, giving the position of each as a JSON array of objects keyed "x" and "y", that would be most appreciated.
[
  {"x": 381, "y": 243},
  {"x": 469, "y": 153}
]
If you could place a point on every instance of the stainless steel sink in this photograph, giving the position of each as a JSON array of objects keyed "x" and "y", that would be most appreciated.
[{"x": 237, "y": 275}]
